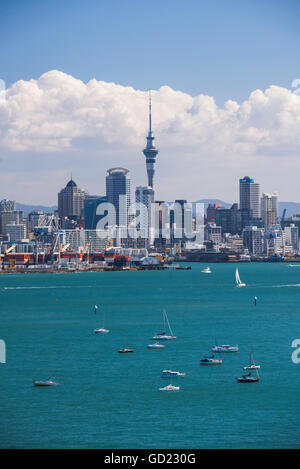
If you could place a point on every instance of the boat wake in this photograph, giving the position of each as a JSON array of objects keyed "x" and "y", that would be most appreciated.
[
  {"x": 287, "y": 285},
  {"x": 43, "y": 288}
]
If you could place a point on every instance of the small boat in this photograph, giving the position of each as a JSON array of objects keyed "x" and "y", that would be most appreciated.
[
  {"x": 239, "y": 283},
  {"x": 156, "y": 345},
  {"x": 125, "y": 350},
  {"x": 102, "y": 329},
  {"x": 211, "y": 361},
  {"x": 206, "y": 270},
  {"x": 164, "y": 335},
  {"x": 45, "y": 382},
  {"x": 248, "y": 378},
  {"x": 170, "y": 387},
  {"x": 225, "y": 348},
  {"x": 252, "y": 365},
  {"x": 172, "y": 374}
]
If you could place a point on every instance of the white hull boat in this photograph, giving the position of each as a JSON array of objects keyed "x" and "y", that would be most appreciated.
[
  {"x": 45, "y": 382},
  {"x": 170, "y": 387},
  {"x": 164, "y": 335},
  {"x": 206, "y": 270},
  {"x": 225, "y": 348},
  {"x": 172, "y": 374},
  {"x": 156, "y": 345}
]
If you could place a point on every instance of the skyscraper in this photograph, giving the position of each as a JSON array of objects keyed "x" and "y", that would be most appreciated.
[
  {"x": 269, "y": 209},
  {"x": 118, "y": 193},
  {"x": 150, "y": 151},
  {"x": 70, "y": 203},
  {"x": 249, "y": 196}
]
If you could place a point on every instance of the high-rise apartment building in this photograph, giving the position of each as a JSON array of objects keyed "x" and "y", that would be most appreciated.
[
  {"x": 269, "y": 204},
  {"x": 250, "y": 196},
  {"x": 253, "y": 238}
]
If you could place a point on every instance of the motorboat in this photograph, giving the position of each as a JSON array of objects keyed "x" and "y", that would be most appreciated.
[
  {"x": 206, "y": 270},
  {"x": 172, "y": 374},
  {"x": 45, "y": 382},
  {"x": 170, "y": 387}
]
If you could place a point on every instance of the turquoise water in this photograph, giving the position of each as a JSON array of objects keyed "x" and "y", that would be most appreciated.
[{"x": 108, "y": 400}]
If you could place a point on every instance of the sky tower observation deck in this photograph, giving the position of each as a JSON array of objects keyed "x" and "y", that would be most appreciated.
[{"x": 150, "y": 151}]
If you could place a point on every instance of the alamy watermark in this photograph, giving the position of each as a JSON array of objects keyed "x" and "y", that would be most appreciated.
[
  {"x": 155, "y": 220},
  {"x": 2, "y": 351},
  {"x": 296, "y": 353}
]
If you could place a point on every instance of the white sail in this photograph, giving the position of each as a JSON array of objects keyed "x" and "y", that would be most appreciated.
[
  {"x": 166, "y": 317},
  {"x": 237, "y": 276}
]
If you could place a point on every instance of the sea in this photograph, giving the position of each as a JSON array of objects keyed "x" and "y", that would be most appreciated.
[{"x": 109, "y": 400}]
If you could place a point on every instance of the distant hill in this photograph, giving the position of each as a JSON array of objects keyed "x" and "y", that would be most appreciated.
[
  {"x": 26, "y": 209},
  {"x": 291, "y": 207},
  {"x": 206, "y": 202}
]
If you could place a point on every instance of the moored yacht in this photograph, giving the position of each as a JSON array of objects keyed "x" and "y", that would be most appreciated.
[
  {"x": 170, "y": 387},
  {"x": 172, "y": 374},
  {"x": 45, "y": 382},
  {"x": 163, "y": 335},
  {"x": 225, "y": 348},
  {"x": 211, "y": 361},
  {"x": 156, "y": 345}
]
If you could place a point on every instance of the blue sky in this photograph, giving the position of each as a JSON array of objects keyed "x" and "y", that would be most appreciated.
[
  {"x": 65, "y": 122},
  {"x": 225, "y": 49}
]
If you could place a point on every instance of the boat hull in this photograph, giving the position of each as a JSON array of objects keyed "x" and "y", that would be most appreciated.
[
  {"x": 164, "y": 337},
  {"x": 170, "y": 388},
  {"x": 211, "y": 362},
  {"x": 44, "y": 383},
  {"x": 225, "y": 349},
  {"x": 247, "y": 380}
]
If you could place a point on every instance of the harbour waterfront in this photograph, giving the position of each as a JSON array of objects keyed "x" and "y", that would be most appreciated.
[{"x": 108, "y": 400}]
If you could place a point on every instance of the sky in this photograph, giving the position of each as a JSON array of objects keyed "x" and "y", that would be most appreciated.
[{"x": 224, "y": 101}]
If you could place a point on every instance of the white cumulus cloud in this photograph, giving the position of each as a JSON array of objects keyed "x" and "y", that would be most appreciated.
[{"x": 58, "y": 113}]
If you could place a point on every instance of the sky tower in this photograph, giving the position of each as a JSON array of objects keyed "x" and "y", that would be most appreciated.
[{"x": 150, "y": 151}]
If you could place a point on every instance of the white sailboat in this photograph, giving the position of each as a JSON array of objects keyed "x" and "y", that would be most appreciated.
[
  {"x": 46, "y": 382},
  {"x": 206, "y": 270},
  {"x": 156, "y": 345},
  {"x": 101, "y": 329},
  {"x": 163, "y": 335},
  {"x": 239, "y": 283},
  {"x": 252, "y": 365}
]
